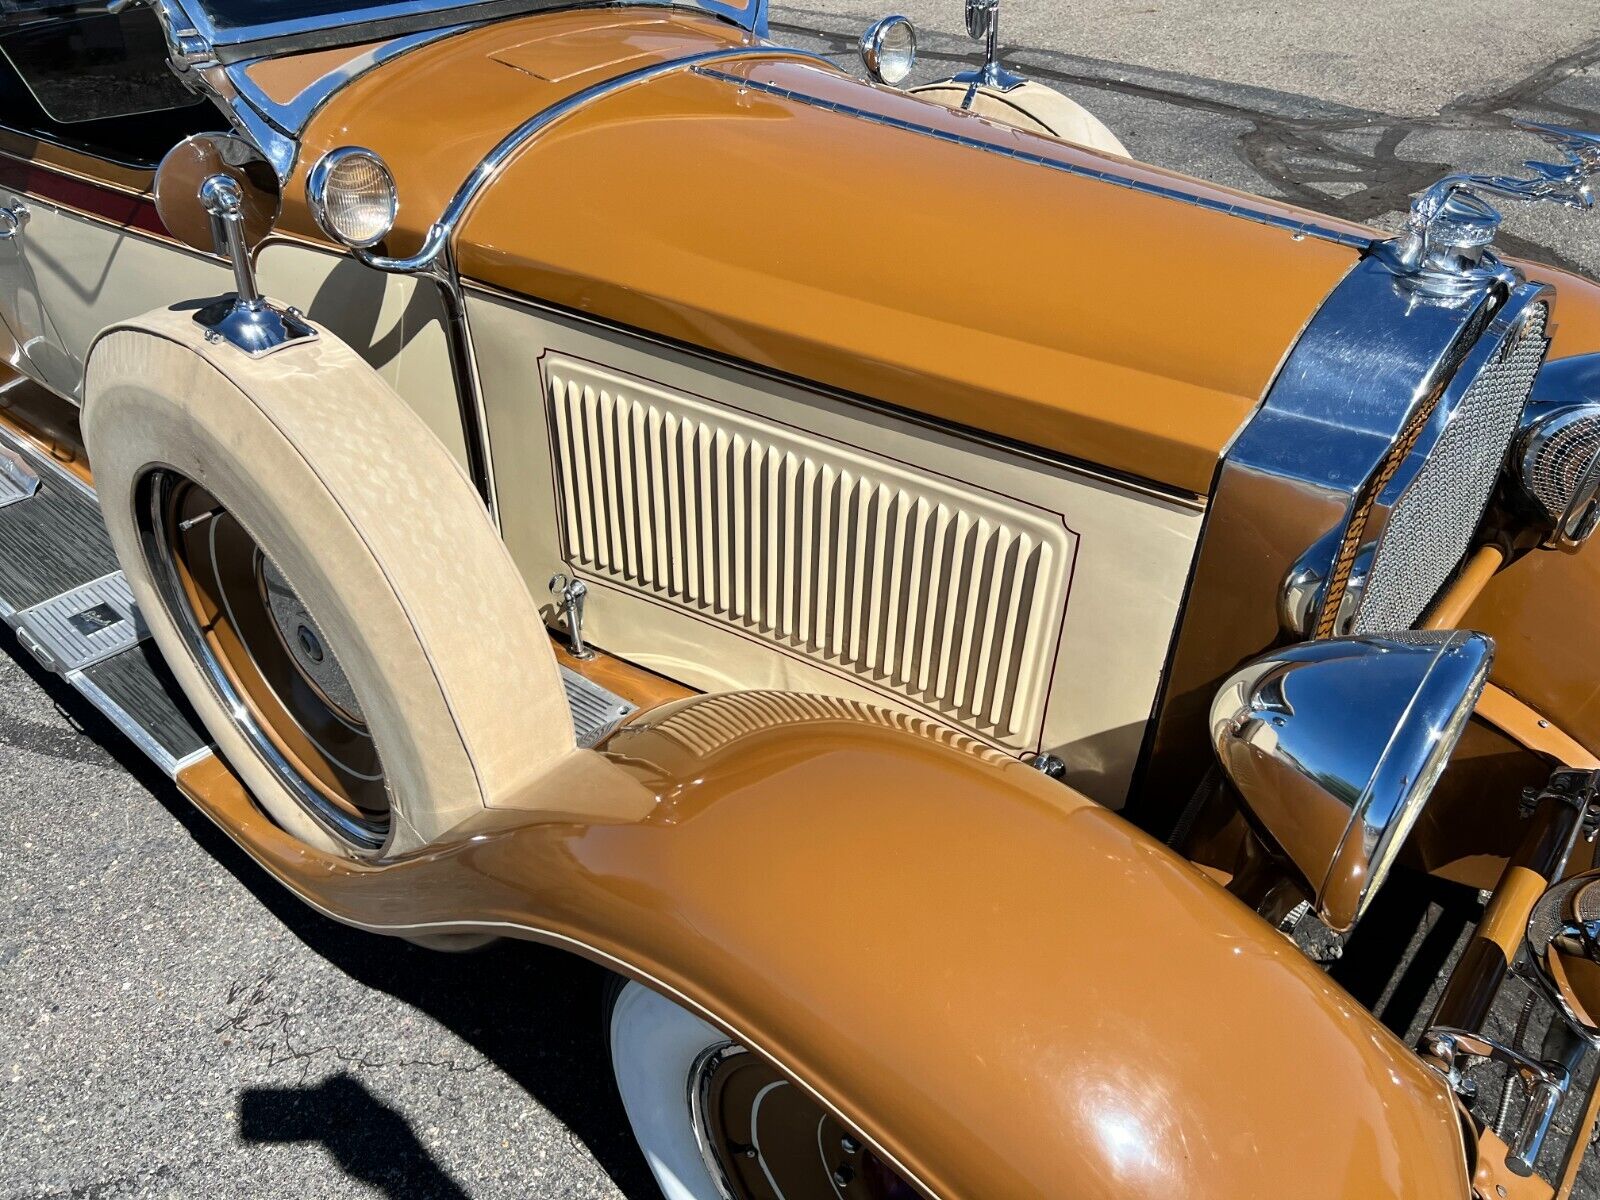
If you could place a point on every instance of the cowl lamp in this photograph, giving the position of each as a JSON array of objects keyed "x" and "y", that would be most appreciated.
[{"x": 1334, "y": 746}]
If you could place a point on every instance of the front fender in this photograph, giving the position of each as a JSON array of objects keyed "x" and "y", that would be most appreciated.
[{"x": 1009, "y": 989}]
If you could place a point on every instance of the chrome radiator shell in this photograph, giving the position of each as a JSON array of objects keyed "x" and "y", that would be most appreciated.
[{"x": 1333, "y": 463}]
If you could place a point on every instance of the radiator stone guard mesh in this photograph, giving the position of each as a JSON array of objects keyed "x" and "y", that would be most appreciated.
[
  {"x": 1432, "y": 522},
  {"x": 939, "y": 593}
]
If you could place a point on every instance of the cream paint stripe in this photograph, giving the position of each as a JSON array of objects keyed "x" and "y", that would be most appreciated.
[
  {"x": 938, "y": 531},
  {"x": 965, "y": 617},
  {"x": 662, "y": 550},
  {"x": 1008, "y": 632},
  {"x": 559, "y": 400},
  {"x": 880, "y": 599},
  {"x": 767, "y": 616}
]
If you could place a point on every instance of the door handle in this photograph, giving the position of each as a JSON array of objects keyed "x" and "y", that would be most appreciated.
[{"x": 12, "y": 220}]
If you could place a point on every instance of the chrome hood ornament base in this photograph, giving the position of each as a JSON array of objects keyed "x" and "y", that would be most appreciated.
[{"x": 1451, "y": 227}]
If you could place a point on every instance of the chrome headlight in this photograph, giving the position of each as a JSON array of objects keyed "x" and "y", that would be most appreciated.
[
  {"x": 1335, "y": 745},
  {"x": 352, "y": 197},
  {"x": 889, "y": 50},
  {"x": 1557, "y": 460}
]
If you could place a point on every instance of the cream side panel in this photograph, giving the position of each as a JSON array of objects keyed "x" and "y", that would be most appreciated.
[
  {"x": 395, "y": 322},
  {"x": 65, "y": 277},
  {"x": 1099, "y": 653}
]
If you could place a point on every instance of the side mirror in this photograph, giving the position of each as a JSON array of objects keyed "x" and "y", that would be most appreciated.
[
  {"x": 1564, "y": 945},
  {"x": 1334, "y": 746},
  {"x": 981, "y": 18},
  {"x": 183, "y": 173},
  {"x": 215, "y": 192}
]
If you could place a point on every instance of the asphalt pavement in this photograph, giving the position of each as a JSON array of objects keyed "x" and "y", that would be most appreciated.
[{"x": 172, "y": 1023}]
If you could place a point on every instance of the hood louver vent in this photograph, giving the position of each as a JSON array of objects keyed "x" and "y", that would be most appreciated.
[{"x": 943, "y": 595}]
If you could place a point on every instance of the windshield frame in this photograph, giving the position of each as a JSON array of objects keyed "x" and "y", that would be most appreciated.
[{"x": 373, "y": 20}]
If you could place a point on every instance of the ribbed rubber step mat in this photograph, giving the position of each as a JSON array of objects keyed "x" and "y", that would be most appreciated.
[
  {"x": 139, "y": 695},
  {"x": 50, "y": 544},
  {"x": 81, "y": 627}
]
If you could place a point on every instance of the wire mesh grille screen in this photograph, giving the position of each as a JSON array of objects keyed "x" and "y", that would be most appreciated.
[{"x": 1433, "y": 521}]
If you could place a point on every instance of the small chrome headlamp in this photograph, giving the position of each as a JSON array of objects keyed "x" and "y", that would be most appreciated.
[
  {"x": 889, "y": 50},
  {"x": 1557, "y": 457},
  {"x": 352, "y": 197}
]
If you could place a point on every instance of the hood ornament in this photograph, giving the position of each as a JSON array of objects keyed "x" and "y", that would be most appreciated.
[{"x": 1451, "y": 227}]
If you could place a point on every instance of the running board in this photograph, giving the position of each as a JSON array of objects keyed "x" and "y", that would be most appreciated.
[
  {"x": 71, "y": 609},
  {"x": 62, "y": 593}
]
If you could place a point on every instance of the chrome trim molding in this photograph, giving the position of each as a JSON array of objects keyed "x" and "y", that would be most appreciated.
[
  {"x": 42, "y": 463},
  {"x": 131, "y": 729},
  {"x": 1145, "y": 187},
  {"x": 291, "y": 116},
  {"x": 18, "y": 481},
  {"x": 443, "y": 229}
]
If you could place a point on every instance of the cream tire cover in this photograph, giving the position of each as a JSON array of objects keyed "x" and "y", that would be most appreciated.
[
  {"x": 1031, "y": 106},
  {"x": 383, "y": 539}
]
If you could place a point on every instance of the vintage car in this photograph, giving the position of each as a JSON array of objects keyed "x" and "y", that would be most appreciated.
[{"x": 1006, "y": 736}]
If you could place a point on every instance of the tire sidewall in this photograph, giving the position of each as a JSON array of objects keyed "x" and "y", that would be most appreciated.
[
  {"x": 655, "y": 1045},
  {"x": 212, "y": 433}
]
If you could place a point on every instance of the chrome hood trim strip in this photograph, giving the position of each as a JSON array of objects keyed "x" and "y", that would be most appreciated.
[
  {"x": 1303, "y": 228},
  {"x": 291, "y": 116},
  {"x": 442, "y": 230}
]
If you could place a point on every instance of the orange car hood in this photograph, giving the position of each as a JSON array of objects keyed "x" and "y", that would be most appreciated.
[{"x": 780, "y": 213}]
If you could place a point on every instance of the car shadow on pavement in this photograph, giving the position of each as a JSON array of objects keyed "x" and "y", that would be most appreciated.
[
  {"x": 533, "y": 1011},
  {"x": 370, "y": 1141}
]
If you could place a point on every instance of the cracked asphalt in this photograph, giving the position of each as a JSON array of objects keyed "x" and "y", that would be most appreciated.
[{"x": 174, "y": 1024}]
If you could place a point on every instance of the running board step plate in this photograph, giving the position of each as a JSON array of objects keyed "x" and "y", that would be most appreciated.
[
  {"x": 79, "y": 628},
  {"x": 71, "y": 607}
]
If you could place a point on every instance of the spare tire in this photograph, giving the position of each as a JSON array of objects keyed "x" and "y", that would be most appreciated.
[{"x": 325, "y": 584}]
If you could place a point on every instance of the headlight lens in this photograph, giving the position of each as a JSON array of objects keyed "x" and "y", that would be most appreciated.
[
  {"x": 352, "y": 197},
  {"x": 889, "y": 50}
]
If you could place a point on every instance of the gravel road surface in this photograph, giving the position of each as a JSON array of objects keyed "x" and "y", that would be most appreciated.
[{"x": 173, "y": 1024}]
